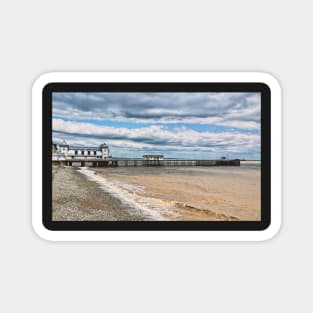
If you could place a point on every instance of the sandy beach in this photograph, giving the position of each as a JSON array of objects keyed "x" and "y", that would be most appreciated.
[{"x": 150, "y": 193}]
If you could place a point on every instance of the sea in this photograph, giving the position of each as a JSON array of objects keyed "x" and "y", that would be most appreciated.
[{"x": 185, "y": 193}]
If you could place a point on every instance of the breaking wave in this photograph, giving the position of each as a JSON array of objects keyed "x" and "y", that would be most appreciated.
[{"x": 133, "y": 196}]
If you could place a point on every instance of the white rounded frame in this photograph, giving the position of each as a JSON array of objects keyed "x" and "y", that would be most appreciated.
[{"x": 160, "y": 235}]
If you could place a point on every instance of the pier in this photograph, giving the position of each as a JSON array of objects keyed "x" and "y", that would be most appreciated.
[
  {"x": 128, "y": 162},
  {"x": 67, "y": 155}
]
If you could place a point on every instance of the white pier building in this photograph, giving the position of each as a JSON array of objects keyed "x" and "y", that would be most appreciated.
[{"x": 64, "y": 151}]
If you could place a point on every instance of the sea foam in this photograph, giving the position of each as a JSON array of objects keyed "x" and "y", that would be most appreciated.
[{"x": 132, "y": 196}]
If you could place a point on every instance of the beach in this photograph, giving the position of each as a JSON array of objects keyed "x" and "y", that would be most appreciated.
[
  {"x": 75, "y": 198},
  {"x": 158, "y": 193}
]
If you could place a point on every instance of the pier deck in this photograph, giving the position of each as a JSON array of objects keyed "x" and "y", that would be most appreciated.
[{"x": 116, "y": 162}]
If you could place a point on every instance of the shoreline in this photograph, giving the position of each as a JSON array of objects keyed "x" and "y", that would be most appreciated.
[{"x": 148, "y": 194}]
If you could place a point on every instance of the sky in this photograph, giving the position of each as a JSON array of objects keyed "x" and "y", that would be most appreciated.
[{"x": 204, "y": 125}]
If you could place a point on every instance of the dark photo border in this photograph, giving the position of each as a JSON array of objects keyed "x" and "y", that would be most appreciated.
[{"x": 157, "y": 225}]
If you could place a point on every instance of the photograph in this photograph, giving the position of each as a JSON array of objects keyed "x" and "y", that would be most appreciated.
[{"x": 156, "y": 156}]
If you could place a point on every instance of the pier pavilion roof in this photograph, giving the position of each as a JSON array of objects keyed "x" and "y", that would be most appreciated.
[
  {"x": 64, "y": 144},
  {"x": 83, "y": 148}
]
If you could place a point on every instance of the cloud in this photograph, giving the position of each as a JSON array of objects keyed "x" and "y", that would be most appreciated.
[
  {"x": 156, "y": 138},
  {"x": 174, "y": 124},
  {"x": 241, "y": 110}
]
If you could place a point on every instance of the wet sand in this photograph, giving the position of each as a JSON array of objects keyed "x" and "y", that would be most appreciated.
[
  {"x": 193, "y": 193},
  {"x": 141, "y": 193}
]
